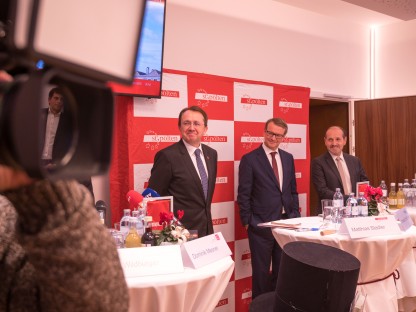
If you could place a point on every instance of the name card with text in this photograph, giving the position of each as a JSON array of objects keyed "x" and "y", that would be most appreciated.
[
  {"x": 151, "y": 260},
  {"x": 404, "y": 218},
  {"x": 369, "y": 226},
  {"x": 205, "y": 250}
]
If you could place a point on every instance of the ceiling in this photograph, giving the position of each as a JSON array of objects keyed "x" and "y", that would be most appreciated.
[{"x": 368, "y": 12}]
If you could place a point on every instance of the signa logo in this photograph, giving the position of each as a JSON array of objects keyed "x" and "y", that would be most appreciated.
[{"x": 170, "y": 93}]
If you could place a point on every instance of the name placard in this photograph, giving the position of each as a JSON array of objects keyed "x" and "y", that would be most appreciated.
[
  {"x": 204, "y": 250},
  {"x": 369, "y": 226},
  {"x": 151, "y": 260},
  {"x": 404, "y": 218}
]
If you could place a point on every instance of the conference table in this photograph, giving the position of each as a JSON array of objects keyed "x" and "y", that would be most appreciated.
[
  {"x": 192, "y": 290},
  {"x": 408, "y": 303},
  {"x": 383, "y": 259},
  {"x": 412, "y": 213}
]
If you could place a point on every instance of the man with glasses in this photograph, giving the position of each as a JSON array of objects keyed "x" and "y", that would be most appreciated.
[
  {"x": 187, "y": 170},
  {"x": 266, "y": 192}
]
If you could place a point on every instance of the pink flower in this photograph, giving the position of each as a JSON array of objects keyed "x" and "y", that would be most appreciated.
[
  {"x": 373, "y": 193},
  {"x": 180, "y": 214},
  {"x": 165, "y": 217}
]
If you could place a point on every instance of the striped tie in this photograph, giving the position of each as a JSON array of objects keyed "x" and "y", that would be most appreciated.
[{"x": 202, "y": 172}]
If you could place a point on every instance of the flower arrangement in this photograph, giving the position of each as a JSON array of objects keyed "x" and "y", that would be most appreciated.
[
  {"x": 373, "y": 196},
  {"x": 173, "y": 231}
]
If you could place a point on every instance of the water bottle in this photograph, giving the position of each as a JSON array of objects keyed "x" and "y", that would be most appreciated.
[
  {"x": 351, "y": 209},
  {"x": 138, "y": 217},
  {"x": 125, "y": 223},
  {"x": 338, "y": 203},
  {"x": 413, "y": 189},
  {"x": 384, "y": 189},
  {"x": 362, "y": 205},
  {"x": 406, "y": 185}
]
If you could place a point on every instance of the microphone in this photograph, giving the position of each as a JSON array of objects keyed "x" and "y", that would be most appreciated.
[
  {"x": 135, "y": 199},
  {"x": 101, "y": 208},
  {"x": 100, "y": 205},
  {"x": 150, "y": 193}
]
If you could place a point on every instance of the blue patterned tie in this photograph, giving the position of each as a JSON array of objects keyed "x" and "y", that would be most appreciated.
[{"x": 202, "y": 172}]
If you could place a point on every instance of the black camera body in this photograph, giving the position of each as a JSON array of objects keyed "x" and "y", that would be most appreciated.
[{"x": 80, "y": 63}]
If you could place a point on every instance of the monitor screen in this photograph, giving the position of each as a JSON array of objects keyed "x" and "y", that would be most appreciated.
[{"x": 149, "y": 63}]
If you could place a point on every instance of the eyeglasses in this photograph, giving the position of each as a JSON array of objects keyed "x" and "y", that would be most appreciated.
[
  {"x": 188, "y": 123},
  {"x": 272, "y": 134}
]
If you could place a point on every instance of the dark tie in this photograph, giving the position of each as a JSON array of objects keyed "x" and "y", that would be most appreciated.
[
  {"x": 274, "y": 165},
  {"x": 341, "y": 173},
  {"x": 202, "y": 172}
]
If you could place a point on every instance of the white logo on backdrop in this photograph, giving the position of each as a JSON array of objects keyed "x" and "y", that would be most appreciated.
[
  {"x": 285, "y": 105},
  {"x": 252, "y": 102},
  {"x": 202, "y": 101},
  {"x": 153, "y": 139},
  {"x": 247, "y": 140},
  {"x": 247, "y": 106},
  {"x": 204, "y": 98}
]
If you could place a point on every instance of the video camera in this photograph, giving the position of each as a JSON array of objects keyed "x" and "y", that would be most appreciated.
[{"x": 84, "y": 45}]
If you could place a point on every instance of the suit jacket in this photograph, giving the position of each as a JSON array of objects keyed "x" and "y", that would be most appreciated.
[
  {"x": 63, "y": 136},
  {"x": 259, "y": 196},
  {"x": 326, "y": 178},
  {"x": 174, "y": 174}
]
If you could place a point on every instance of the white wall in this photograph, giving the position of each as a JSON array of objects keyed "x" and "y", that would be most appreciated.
[
  {"x": 395, "y": 60},
  {"x": 268, "y": 41}
]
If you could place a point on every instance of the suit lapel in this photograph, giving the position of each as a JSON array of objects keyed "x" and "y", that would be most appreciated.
[
  {"x": 331, "y": 164},
  {"x": 189, "y": 165},
  {"x": 350, "y": 166},
  {"x": 285, "y": 167},
  {"x": 265, "y": 163}
]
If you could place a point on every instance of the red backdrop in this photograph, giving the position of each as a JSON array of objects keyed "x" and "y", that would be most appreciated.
[{"x": 237, "y": 110}]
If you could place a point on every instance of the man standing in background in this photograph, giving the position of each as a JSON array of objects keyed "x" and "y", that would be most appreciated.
[
  {"x": 59, "y": 133},
  {"x": 335, "y": 169},
  {"x": 187, "y": 170},
  {"x": 267, "y": 192}
]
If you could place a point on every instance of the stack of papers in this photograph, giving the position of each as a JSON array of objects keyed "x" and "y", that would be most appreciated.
[{"x": 287, "y": 224}]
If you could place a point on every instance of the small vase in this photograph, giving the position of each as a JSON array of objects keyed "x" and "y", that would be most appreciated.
[{"x": 373, "y": 208}]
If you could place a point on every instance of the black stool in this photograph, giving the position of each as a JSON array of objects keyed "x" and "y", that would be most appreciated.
[{"x": 316, "y": 277}]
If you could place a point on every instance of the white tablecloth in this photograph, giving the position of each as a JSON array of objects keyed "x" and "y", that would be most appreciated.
[
  {"x": 193, "y": 290},
  {"x": 412, "y": 213},
  {"x": 379, "y": 256}
]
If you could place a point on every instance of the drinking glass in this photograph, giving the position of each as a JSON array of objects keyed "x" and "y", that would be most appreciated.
[
  {"x": 118, "y": 237},
  {"x": 327, "y": 214}
]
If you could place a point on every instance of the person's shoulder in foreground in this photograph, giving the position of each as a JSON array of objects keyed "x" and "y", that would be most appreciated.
[{"x": 61, "y": 258}]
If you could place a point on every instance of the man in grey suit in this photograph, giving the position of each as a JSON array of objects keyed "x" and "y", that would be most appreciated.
[
  {"x": 267, "y": 191},
  {"x": 187, "y": 170},
  {"x": 335, "y": 169}
]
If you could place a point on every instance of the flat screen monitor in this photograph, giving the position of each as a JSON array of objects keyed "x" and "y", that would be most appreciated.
[{"x": 149, "y": 63}]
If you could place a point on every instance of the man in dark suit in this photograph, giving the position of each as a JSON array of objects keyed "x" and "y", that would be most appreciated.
[
  {"x": 59, "y": 129},
  {"x": 266, "y": 192},
  {"x": 326, "y": 174},
  {"x": 178, "y": 172}
]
